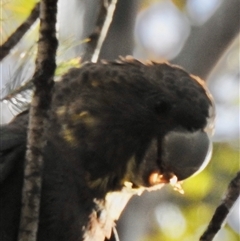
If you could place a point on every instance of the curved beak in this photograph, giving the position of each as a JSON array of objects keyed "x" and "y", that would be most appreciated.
[{"x": 185, "y": 153}]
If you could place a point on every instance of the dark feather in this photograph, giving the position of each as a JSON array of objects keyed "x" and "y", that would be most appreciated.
[{"x": 108, "y": 138}]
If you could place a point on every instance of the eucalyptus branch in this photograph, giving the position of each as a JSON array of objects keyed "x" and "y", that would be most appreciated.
[
  {"x": 19, "y": 32},
  {"x": 43, "y": 81},
  {"x": 99, "y": 34},
  {"x": 223, "y": 209}
]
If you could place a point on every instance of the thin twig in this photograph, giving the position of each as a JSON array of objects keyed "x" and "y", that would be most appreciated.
[
  {"x": 26, "y": 86},
  {"x": 99, "y": 34},
  {"x": 115, "y": 233},
  {"x": 223, "y": 209},
  {"x": 19, "y": 32},
  {"x": 43, "y": 81}
]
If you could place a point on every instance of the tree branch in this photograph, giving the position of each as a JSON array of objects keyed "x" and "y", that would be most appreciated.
[
  {"x": 43, "y": 81},
  {"x": 207, "y": 43},
  {"x": 19, "y": 32},
  {"x": 223, "y": 209},
  {"x": 99, "y": 34}
]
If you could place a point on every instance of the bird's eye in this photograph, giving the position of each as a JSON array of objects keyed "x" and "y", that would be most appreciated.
[{"x": 162, "y": 107}]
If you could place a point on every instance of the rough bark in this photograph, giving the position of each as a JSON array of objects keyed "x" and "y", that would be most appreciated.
[{"x": 43, "y": 81}]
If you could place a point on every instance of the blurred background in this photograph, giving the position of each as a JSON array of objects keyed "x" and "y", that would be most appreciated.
[{"x": 200, "y": 35}]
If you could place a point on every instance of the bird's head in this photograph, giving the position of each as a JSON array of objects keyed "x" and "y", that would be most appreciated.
[{"x": 135, "y": 124}]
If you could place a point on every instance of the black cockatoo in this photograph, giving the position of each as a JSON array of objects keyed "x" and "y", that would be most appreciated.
[{"x": 115, "y": 129}]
